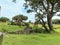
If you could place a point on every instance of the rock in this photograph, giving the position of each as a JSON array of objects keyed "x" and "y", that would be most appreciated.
[{"x": 27, "y": 30}]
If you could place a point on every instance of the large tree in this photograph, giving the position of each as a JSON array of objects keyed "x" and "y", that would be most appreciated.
[
  {"x": 48, "y": 8},
  {"x": 19, "y": 18}
]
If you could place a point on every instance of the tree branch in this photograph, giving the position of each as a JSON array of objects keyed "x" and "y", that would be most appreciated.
[
  {"x": 52, "y": 8},
  {"x": 44, "y": 6},
  {"x": 47, "y": 5}
]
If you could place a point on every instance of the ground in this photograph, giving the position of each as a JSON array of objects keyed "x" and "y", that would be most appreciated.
[
  {"x": 32, "y": 39},
  {"x": 29, "y": 39}
]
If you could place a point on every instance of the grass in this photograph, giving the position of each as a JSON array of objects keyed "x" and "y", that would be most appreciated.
[
  {"x": 5, "y": 26},
  {"x": 30, "y": 39}
]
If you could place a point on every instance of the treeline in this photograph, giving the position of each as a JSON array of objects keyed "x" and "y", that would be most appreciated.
[
  {"x": 21, "y": 19},
  {"x": 56, "y": 21}
]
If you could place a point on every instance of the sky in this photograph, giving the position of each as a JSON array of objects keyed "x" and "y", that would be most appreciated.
[{"x": 10, "y": 9}]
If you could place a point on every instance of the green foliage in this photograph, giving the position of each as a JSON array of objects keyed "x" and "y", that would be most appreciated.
[
  {"x": 56, "y": 21},
  {"x": 28, "y": 11},
  {"x": 36, "y": 29},
  {"x": 19, "y": 19},
  {"x": 20, "y": 16},
  {"x": 26, "y": 24},
  {"x": 13, "y": 23},
  {"x": 4, "y": 19}
]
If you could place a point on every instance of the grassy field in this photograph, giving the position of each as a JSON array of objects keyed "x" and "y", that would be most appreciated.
[
  {"x": 6, "y": 27},
  {"x": 30, "y": 39}
]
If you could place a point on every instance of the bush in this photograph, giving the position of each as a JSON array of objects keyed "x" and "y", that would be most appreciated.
[
  {"x": 26, "y": 24},
  {"x": 13, "y": 23},
  {"x": 37, "y": 30},
  {"x": 4, "y": 19},
  {"x": 56, "y": 21}
]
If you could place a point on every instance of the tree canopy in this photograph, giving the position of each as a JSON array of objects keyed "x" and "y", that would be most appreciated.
[
  {"x": 19, "y": 17},
  {"x": 4, "y": 19}
]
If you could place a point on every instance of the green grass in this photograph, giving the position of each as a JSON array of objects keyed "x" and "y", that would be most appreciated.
[
  {"x": 5, "y": 26},
  {"x": 32, "y": 39}
]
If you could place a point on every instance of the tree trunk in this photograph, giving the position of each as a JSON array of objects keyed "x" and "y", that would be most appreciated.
[
  {"x": 44, "y": 25},
  {"x": 49, "y": 20}
]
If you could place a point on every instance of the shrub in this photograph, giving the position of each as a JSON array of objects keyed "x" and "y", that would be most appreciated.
[
  {"x": 56, "y": 21},
  {"x": 13, "y": 23},
  {"x": 4, "y": 19},
  {"x": 26, "y": 24},
  {"x": 37, "y": 30}
]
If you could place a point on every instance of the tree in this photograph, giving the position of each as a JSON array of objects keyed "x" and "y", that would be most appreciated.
[
  {"x": 56, "y": 21},
  {"x": 47, "y": 7},
  {"x": 4, "y": 19},
  {"x": 19, "y": 18}
]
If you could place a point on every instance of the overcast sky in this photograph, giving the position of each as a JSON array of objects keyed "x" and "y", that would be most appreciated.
[{"x": 10, "y": 9}]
